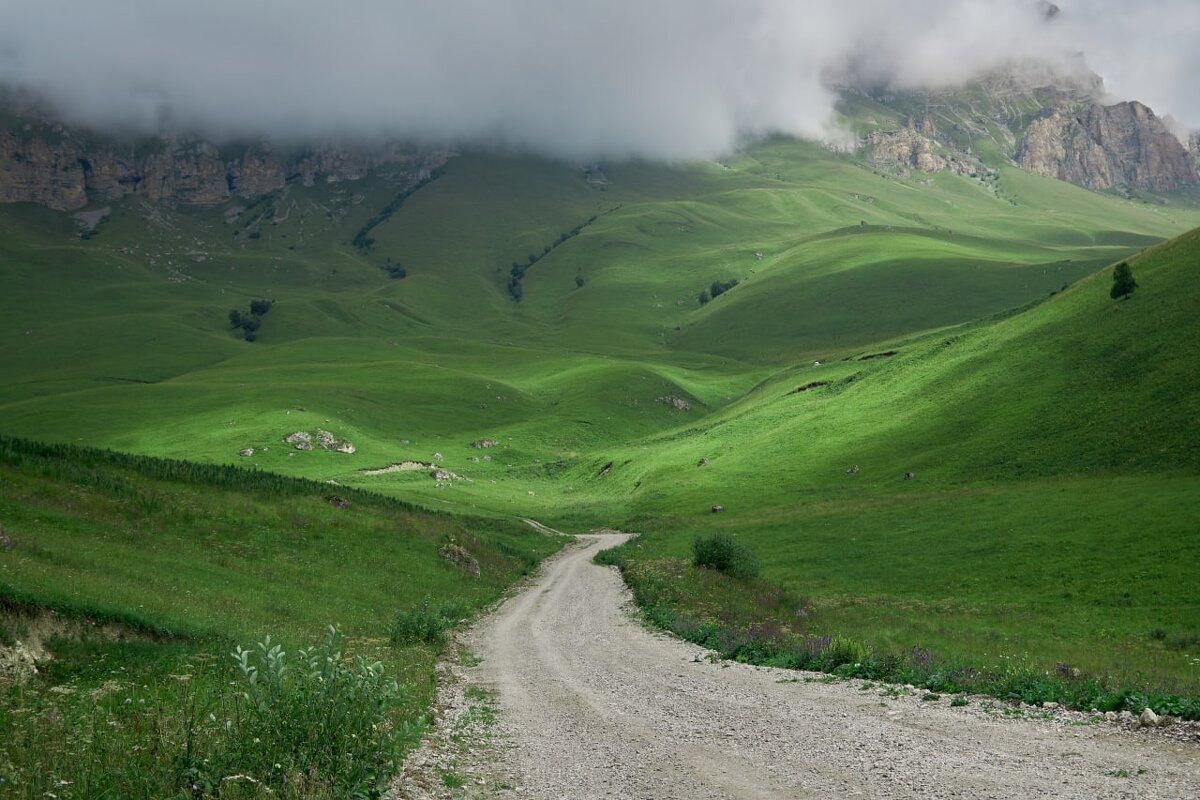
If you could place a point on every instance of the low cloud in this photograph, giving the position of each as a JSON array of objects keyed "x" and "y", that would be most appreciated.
[{"x": 666, "y": 79}]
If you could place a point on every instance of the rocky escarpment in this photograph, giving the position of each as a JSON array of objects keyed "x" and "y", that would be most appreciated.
[
  {"x": 916, "y": 146},
  {"x": 1101, "y": 147},
  {"x": 1049, "y": 120},
  {"x": 1194, "y": 148},
  {"x": 52, "y": 168}
]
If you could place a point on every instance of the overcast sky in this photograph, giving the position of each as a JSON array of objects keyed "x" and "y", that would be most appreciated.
[{"x": 650, "y": 78}]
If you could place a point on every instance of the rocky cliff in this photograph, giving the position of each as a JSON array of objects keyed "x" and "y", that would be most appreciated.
[
  {"x": 49, "y": 166},
  {"x": 1100, "y": 146},
  {"x": 1046, "y": 120},
  {"x": 917, "y": 146}
]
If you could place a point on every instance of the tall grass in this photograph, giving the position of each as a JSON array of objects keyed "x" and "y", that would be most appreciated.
[{"x": 260, "y": 722}]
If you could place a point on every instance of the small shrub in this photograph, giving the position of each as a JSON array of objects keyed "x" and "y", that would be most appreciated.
[
  {"x": 722, "y": 552},
  {"x": 842, "y": 650},
  {"x": 259, "y": 307},
  {"x": 427, "y": 622}
]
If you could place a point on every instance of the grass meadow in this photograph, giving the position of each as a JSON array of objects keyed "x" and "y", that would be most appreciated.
[{"x": 955, "y": 328}]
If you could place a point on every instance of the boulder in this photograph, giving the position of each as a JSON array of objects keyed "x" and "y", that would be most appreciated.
[
  {"x": 301, "y": 440},
  {"x": 327, "y": 441},
  {"x": 459, "y": 557},
  {"x": 17, "y": 665}
]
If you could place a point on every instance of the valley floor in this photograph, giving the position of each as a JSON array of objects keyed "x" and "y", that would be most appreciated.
[{"x": 587, "y": 703}]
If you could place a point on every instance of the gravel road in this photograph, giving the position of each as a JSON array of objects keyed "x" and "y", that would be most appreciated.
[{"x": 590, "y": 704}]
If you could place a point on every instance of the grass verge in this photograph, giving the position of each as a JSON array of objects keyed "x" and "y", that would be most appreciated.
[
  {"x": 136, "y": 599},
  {"x": 749, "y": 620}
]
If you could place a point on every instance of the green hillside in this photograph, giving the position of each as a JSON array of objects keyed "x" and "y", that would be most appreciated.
[
  {"x": 135, "y": 317},
  {"x": 524, "y": 338},
  {"x": 1055, "y": 461},
  {"x": 131, "y": 580}
]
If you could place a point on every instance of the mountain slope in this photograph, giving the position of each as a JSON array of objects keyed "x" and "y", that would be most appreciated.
[{"x": 1056, "y": 470}]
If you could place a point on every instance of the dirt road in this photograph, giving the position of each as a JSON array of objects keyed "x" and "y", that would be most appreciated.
[{"x": 592, "y": 705}]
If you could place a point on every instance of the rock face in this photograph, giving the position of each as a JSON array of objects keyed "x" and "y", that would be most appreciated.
[
  {"x": 916, "y": 146},
  {"x": 1050, "y": 120},
  {"x": 47, "y": 165},
  {"x": 1104, "y": 146}
]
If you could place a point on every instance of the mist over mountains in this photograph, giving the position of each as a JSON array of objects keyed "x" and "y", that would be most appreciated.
[{"x": 670, "y": 79}]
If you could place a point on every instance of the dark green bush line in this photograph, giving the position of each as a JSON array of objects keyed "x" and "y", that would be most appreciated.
[
  {"x": 517, "y": 272},
  {"x": 763, "y": 644},
  {"x": 93, "y": 467},
  {"x": 363, "y": 240},
  {"x": 717, "y": 289}
]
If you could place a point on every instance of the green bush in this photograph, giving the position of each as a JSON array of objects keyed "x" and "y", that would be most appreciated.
[
  {"x": 842, "y": 650},
  {"x": 722, "y": 552},
  {"x": 427, "y": 622},
  {"x": 309, "y": 719}
]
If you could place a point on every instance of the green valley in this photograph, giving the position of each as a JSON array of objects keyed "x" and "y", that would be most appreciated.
[{"x": 908, "y": 393}]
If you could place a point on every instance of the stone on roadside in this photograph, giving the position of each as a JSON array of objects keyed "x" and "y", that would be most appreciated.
[{"x": 1148, "y": 719}]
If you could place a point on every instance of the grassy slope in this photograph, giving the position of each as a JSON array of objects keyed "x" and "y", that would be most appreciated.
[
  {"x": 1056, "y": 461},
  {"x": 128, "y": 320},
  {"x": 222, "y": 552},
  {"x": 121, "y": 341},
  {"x": 190, "y": 561}
]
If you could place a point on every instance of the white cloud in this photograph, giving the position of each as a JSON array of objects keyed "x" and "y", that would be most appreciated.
[{"x": 651, "y": 78}]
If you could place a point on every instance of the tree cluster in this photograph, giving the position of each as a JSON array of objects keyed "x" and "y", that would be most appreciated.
[
  {"x": 251, "y": 322},
  {"x": 717, "y": 289},
  {"x": 394, "y": 269}
]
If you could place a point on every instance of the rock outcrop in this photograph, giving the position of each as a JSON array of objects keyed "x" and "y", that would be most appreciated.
[
  {"x": 916, "y": 147},
  {"x": 1101, "y": 147},
  {"x": 48, "y": 165},
  {"x": 1194, "y": 148}
]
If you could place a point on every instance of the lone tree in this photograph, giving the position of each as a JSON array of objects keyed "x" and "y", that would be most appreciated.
[{"x": 1123, "y": 282}]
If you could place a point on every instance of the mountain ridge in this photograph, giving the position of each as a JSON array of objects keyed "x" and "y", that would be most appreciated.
[{"x": 1040, "y": 120}]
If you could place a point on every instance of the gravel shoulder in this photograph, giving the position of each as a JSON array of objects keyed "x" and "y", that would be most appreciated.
[{"x": 579, "y": 700}]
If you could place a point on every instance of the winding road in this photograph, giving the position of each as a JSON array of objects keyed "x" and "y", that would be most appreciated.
[{"x": 593, "y": 705}]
